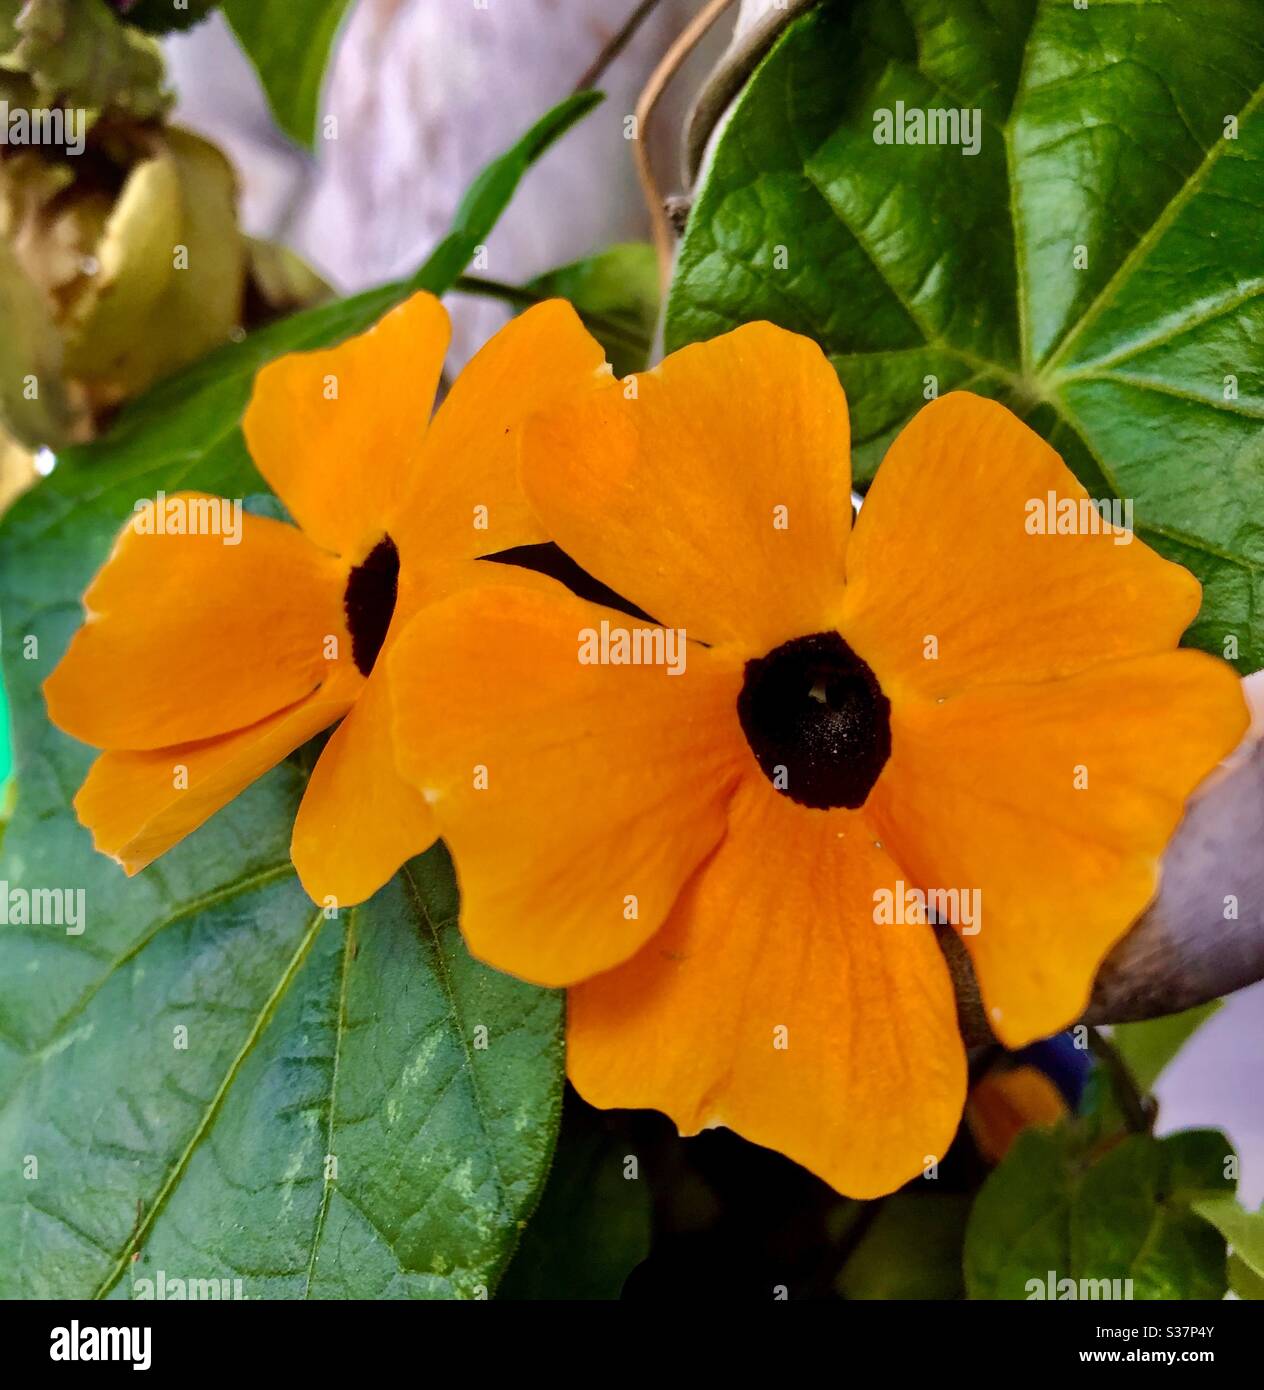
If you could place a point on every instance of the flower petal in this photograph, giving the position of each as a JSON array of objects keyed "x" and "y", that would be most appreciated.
[
  {"x": 338, "y": 434},
  {"x": 187, "y": 637},
  {"x": 139, "y": 804},
  {"x": 942, "y": 550},
  {"x": 719, "y": 499},
  {"x": 576, "y": 799},
  {"x": 982, "y": 793},
  {"x": 1004, "y": 1103},
  {"x": 359, "y": 820},
  {"x": 777, "y": 932},
  {"x": 466, "y": 500}
]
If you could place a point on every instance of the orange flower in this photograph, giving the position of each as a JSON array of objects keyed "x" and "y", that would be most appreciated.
[
  {"x": 725, "y": 863},
  {"x": 206, "y": 657}
]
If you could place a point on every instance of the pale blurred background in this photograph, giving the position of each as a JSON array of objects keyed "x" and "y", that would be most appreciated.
[{"x": 425, "y": 92}]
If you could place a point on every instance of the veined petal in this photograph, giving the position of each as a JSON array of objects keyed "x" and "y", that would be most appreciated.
[
  {"x": 139, "y": 804},
  {"x": 773, "y": 1002},
  {"x": 719, "y": 498},
  {"x": 576, "y": 799},
  {"x": 1055, "y": 803},
  {"x": 187, "y": 637},
  {"x": 466, "y": 499},
  {"x": 943, "y": 550},
  {"x": 338, "y": 433}
]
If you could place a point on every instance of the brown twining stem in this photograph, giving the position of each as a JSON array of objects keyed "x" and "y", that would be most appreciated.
[
  {"x": 692, "y": 35},
  {"x": 616, "y": 44}
]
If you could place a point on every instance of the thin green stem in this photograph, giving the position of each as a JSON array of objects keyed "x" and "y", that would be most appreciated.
[
  {"x": 1138, "y": 1109},
  {"x": 522, "y": 298}
]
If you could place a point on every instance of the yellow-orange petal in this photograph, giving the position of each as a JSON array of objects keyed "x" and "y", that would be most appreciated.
[
  {"x": 359, "y": 820},
  {"x": 139, "y": 804},
  {"x": 465, "y": 499},
  {"x": 187, "y": 637},
  {"x": 773, "y": 1003},
  {"x": 576, "y": 799},
  {"x": 719, "y": 498},
  {"x": 338, "y": 433},
  {"x": 942, "y": 550},
  {"x": 1004, "y": 1103},
  {"x": 1055, "y": 803}
]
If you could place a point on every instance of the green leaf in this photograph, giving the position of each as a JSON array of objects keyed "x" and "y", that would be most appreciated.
[
  {"x": 1103, "y": 128},
  {"x": 912, "y": 1249},
  {"x": 1020, "y": 1224},
  {"x": 1148, "y": 1047},
  {"x": 1128, "y": 1216},
  {"x": 165, "y": 16},
  {"x": 1244, "y": 1230},
  {"x": 592, "y": 1227},
  {"x": 289, "y": 43},
  {"x": 616, "y": 292},
  {"x": 307, "y": 1038},
  {"x": 354, "y": 1037},
  {"x": 6, "y": 756},
  {"x": 1244, "y": 1281},
  {"x": 1133, "y": 1219}
]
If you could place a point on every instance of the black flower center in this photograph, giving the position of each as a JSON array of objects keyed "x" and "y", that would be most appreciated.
[
  {"x": 817, "y": 721},
  {"x": 370, "y": 602}
]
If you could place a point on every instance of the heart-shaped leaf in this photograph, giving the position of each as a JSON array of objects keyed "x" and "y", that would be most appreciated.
[
  {"x": 196, "y": 1065},
  {"x": 1088, "y": 250},
  {"x": 1054, "y": 1212}
]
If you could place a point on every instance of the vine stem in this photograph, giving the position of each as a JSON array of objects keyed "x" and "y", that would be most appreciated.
[
  {"x": 523, "y": 298},
  {"x": 1137, "y": 1108},
  {"x": 616, "y": 44},
  {"x": 691, "y": 36}
]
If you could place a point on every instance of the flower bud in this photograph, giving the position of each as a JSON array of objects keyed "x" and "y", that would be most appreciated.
[{"x": 120, "y": 267}]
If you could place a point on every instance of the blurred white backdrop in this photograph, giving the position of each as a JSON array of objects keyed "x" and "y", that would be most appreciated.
[{"x": 425, "y": 92}]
